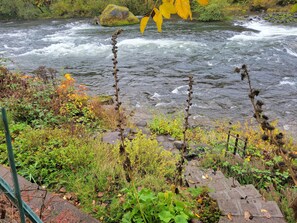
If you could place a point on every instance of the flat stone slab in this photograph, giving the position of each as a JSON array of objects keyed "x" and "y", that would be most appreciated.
[
  {"x": 49, "y": 206},
  {"x": 251, "y": 191},
  {"x": 238, "y": 192},
  {"x": 254, "y": 206},
  {"x": 240, "y": 219}
]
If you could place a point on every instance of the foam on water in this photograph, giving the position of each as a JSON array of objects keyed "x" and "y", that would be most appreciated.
[
  {"x": 12, "y": 48},
  {"x": 265, "y": 32},
  {"x": 291, "y": 52},
  {"x": 165, "y": 104},
  {"x": 159, "y": 43},
  {"x": 156, "y": 96},
  {"x": 70, "y": 49},
  {"x": 180, "y": 90},
  {"x": 287, "y": 81}
]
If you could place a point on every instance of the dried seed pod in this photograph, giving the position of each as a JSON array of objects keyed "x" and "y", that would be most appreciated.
[
  {"x": 259, "y": 103},
  {"x": 265, "y": 137},
  {"x": 237, "y": 70},
  {"x": 279, "y": 136}
]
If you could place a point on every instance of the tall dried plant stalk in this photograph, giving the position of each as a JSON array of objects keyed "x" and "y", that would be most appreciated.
[
  {"x": 181, "y": 163},
  {"x": 262, "y": 119},
  {"x": 120, "y": 115}
]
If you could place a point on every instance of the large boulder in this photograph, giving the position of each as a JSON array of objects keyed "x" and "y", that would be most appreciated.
[{"x": 114, "y": 15}]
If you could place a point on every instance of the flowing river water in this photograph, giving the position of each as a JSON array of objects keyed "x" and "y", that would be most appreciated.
[{"x": 154, "y": 67}]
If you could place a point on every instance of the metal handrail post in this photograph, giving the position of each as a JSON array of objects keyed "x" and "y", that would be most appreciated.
[{"x": 12, "y": 166}]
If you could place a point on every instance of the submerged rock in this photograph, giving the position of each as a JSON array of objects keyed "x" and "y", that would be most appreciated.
[{"x": 114, "y": 15}]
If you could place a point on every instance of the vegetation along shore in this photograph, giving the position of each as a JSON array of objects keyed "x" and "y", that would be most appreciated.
[{"x": 90, "y": 128}]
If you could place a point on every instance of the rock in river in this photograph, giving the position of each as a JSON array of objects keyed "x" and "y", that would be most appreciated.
[{"x": 114, "y": 15}]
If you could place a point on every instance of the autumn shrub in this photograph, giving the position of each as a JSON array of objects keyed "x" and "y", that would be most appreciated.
[{"x": 42, "y": 100}]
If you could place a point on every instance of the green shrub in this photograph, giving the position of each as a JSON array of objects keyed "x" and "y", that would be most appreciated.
[
  {"x": 149, "y": 158},
  {"x": 167, "y": 126},
  {"x": 18, "y": 9},
  {"x": 147, "y": 206},
  {"x": 294, "y": 9},
  {"x": 214, "y": 11},
  {"x": 46, "y": 156}
]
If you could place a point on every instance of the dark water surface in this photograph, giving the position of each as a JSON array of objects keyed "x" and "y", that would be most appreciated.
[{"x": 154, "y": 67}]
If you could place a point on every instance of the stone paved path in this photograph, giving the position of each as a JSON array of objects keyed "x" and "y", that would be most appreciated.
[
  {"x": 233, "y": 198},
  {"x": 54, "y": 209}
]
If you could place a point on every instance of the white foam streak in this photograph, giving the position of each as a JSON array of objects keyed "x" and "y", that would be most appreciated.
[
  {"x": 70, "y": 49},
  {"x": 289, "y": 51},
  {"x": 287, "y": 83},
  {"x": 156, "y": 96},
  {"x": 265, "y": 32},
  {"x": 179, "y": 90},
  {"x": 159, "y": 43}
]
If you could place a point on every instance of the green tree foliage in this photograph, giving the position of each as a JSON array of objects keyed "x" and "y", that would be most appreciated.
[
  {"x": 75, "y": 8},
  {"x": 18, "y": 9},
  {"x": 214, "y": 11}
]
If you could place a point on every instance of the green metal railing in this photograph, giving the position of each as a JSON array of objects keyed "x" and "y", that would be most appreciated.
[{"x": 15, "y": 195}]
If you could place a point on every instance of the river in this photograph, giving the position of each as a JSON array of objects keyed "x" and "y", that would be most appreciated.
[{"x": 154, "y": 66}]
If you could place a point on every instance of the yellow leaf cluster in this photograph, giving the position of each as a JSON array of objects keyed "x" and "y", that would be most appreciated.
[{"x": 166, "y": 9}]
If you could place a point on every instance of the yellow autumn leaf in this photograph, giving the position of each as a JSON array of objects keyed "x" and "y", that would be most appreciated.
[
  {"x": 158, "y": 18},
  {"x": 143, "y": 23},
  {"x": 200, "y": 200},
  {"x": 167, "y": 9},
  {"x": 183, "y": 8},
  {"x": 203, "y": 2}
]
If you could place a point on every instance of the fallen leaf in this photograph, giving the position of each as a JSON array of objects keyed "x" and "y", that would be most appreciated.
[
  {"x": 100, "y": 194},
  {"x": 122, "y": 200},
  {"x": 93, "y": 202},
  {"x": 205, "y": 176},
  {"x": 200, "y": 200},
  {"x": 265, "y": 213},
  {"x": 191, "y": 182},
  {"x": 103, "y": 205},
  {"x": 229, "y": 216},
  {"x": 248, "y": 216}
]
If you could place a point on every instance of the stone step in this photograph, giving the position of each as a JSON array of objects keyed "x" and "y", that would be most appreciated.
[
  {"x": 254, "y": 206},
  {"x": 241, "y": 219}
]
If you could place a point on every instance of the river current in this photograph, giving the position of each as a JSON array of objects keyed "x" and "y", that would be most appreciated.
[{"x": 154, "y": 66}]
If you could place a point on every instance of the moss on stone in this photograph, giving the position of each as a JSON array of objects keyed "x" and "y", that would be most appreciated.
[{"x": 114, "y": 15}]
